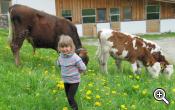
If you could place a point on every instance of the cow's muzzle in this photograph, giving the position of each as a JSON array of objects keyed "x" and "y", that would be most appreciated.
[{"x": 83, "y": 55}]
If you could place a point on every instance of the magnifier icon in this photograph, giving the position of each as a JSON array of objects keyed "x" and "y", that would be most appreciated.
[{"x": 160, "y": 95}]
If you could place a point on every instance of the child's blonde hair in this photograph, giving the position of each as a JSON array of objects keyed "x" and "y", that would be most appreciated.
[{"x": 65, "y": 41}]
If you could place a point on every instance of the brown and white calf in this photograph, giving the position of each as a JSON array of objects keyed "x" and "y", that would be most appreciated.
[
  {"x": 157, "y": 53},
  {"x": 137, "y": 51}
]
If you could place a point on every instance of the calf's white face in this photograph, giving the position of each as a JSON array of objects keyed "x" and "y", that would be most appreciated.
[
  {"x": 155, "y": 69},
  {"x": 169, "y": 70}
]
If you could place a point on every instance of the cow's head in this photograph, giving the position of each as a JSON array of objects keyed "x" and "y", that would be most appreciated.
[
  {"x": 168, "y": 70},
  {"x": 154, "y": 70},
  {"x": 83, "y": 55}
]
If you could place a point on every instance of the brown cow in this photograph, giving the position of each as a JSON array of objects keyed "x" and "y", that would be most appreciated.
[
  {"x": 42, "y": 30},
  {"x": 133, "y": 49}
]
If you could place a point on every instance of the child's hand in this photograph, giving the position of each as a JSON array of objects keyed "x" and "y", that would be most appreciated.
[{"x": 81, "y": 71}]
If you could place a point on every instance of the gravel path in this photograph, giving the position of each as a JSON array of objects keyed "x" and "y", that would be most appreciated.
[{"x": 167, "y": 45}]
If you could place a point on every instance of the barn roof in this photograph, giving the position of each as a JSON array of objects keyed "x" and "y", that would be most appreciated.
[{"x": 169, "y": 1}]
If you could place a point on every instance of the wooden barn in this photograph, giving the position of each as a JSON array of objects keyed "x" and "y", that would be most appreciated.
[{"x": 132, "y": 16}]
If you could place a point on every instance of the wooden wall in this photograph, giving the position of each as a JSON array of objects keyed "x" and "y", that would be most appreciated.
[
  {"x": 77, "y": 5},
  {"x": 167, "y": 10},
  {"x": 138, "y": 8}
]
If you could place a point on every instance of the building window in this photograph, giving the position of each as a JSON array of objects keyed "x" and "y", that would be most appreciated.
[
  {"x": 88, "y": 16},
  {"x": 114, "y": 14},
  {"x": 101, "y": 15},
  {"x": 127, "y": 13},
  {"x": 5, "y": 6},
  {"x": 67, "y": 14},
  {"x": 153, "y": 11}
]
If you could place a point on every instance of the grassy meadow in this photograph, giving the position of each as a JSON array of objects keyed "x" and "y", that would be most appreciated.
[{"x": 36, "y": 84}]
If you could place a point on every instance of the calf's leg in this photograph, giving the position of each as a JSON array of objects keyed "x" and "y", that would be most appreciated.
[
  {"x": 118, "y": 63},
  {"x": 103, "y": 61}
]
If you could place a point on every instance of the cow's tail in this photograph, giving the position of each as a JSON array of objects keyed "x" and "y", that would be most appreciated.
[{"x": 10, "y": 29}]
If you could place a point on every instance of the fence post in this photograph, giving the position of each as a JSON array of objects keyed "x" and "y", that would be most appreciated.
[{"x": 3, "y": 21}]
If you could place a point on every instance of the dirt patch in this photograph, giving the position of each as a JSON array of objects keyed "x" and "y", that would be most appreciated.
[{"x": 168, "y": 48}]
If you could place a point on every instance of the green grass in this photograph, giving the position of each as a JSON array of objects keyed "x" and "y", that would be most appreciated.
[
  {"x": 158, "y": 36},
  {"x": 36, "y": 84}
]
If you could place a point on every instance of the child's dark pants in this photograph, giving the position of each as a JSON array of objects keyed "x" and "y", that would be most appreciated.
[{"x": 70, "y": 89}]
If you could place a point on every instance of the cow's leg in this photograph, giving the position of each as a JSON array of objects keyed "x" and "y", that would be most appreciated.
[
  {"x": 134, "y": 67},
  {"x": 103, "y": 59},
  {"x": 15, "y": 50},
  {"x": 34, "y": 49},
  {"x": 118, "y": 63},
  {"x": 139, "y": 67},
  {"x": 15, "y": 45}
]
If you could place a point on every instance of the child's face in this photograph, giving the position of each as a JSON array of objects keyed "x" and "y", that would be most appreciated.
[{"x": 65, "y": 49}]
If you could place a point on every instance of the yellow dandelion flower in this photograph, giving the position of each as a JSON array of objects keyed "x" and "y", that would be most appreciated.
[
  {"x": 90, "y": 84},
  {"x": 137, "y": 77},
  {"x": 135, "y": 87},
  {"x": 113, "y": 92},
  {"x": 61, "y": 82},
  {"x": 123, "y": 107},
  {"x": 125, "y": 94},
  {"x": 88, "y": 92},
  {"x": 97, "y": 97},
  {"x": 144, "y": 92},
  {"x": 133, "y": 106},
  {"x": 54, "y": 91},
  {"x": 172, "y": 102},
  {"x": 130, "y": 76},
  {"x": 46, "y": 72},
  {"x": 65, "y": 108},
  {"x": 88, "y": 97},
  {"x": 98, "y": 104},
  {"x": 60, "y": 85},
  {"x": 173, "y": 90}
]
